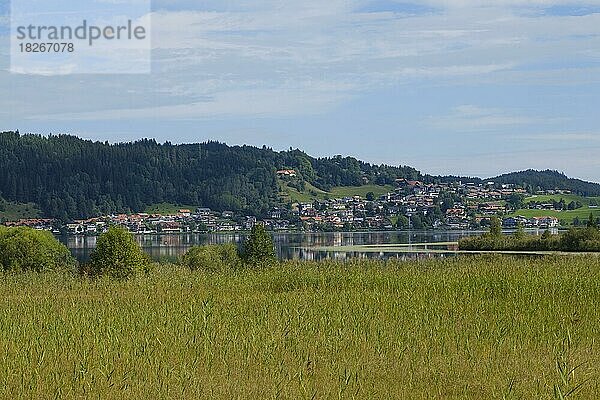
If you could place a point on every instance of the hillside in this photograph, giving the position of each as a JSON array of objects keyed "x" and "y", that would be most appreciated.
[
  {"x": 589, "y": 205},
  {"x": 549, "y": 180},
  {"x": 67, "y": 177},
  {"x": 12, "y": 211}
]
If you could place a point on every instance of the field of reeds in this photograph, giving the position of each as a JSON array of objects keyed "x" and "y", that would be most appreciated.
[{"x": 465, "y": 327}]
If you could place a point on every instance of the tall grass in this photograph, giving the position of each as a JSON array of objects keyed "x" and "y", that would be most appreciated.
[{"x": 476, "y": 327}]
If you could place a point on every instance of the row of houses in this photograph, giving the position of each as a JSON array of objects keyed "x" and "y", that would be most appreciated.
[
  {"x": 535, "y": 222},
  {"x": 454, "y": 205}
]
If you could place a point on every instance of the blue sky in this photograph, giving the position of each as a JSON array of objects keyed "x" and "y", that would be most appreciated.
[{"x": 450, "y": 87}]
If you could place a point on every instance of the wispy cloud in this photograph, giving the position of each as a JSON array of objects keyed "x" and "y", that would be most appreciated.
[
  {"x": 433, "y": 69},
  {"x": 474, "y": 118},
  {"x": 567, "y": 137},
  {"x": 203, "y": 52}
]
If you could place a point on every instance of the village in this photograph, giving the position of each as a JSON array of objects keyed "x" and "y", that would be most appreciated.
[{"x": 411, "y": 205}]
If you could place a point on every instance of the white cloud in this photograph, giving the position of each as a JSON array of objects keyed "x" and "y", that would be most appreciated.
[
  {"x": 257, "y": 103},
  {"x": 327, "y": 53},
  {"x": 472, "y": 118}
]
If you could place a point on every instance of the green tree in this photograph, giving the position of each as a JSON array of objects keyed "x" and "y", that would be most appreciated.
[
  {"x": 259, "y": 249},
  {"x": 212, "y": 258},
  {"x": 25, "y": 249},
  {"x": 495, "y": 227},
  {"x": 520, "y": 232},
  {"x": 370, "y": 196},
  {"x": 592, "y": 222},
  {"x": 417, "y": 222},
  {"x": 580, "y": 239},
  {"x": 306, "y": 168},
  {"x": 515, "y": 201},
  {"x": 402, "y": 222},
  {"x": 118, "y": 255}
]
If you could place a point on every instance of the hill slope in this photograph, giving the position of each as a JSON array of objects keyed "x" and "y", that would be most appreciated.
[
  {"x": 68, "y": 177},
  {"x": 549, "y": 180}
]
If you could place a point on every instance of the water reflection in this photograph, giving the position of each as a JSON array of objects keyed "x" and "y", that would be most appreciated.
[{"x": 289, "y": 246}]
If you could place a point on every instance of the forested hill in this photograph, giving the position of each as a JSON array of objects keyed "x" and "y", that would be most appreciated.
[
  {"x": 70, "y": 178},
  {"x": 548, "y": 180},
  {"x": 532, "y": 180}
]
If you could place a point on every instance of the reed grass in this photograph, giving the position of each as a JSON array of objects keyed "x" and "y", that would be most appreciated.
[{"x": 466, "y": 327}]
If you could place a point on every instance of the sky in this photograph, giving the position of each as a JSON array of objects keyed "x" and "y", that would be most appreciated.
[{"x": 461, "y": 87}]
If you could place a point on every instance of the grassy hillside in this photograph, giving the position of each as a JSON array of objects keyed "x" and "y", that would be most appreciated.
[
  {"x": 14, "y": 211},
  {"x": 565, "y": 216},
  {"x": 477, "y": 328},
  {"x": 312, "y": 193},
  {"x": 566, "y": 197},
  {"x": 309, "y": 194},
  {"x": 349, "y": 191}
]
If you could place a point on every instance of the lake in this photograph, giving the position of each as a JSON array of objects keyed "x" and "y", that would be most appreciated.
[{"x": 289, "y": 246}]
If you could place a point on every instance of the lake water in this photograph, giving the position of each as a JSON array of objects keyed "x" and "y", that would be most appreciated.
[{"x": 289, "y": 246}]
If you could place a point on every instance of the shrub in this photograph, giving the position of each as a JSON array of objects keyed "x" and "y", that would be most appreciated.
[
  {"x": 118, "y": 255},
  {"x": 212, "y": 258},
  {"x": 576, "y": 239},
  {"x": 25, "y": 249},
  {"x": 259, "y": 249},
  {"x": 582, "y": 239},
  {"x": 495, "y": 227}
]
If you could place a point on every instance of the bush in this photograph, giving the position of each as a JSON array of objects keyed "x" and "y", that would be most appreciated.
[
  {"x": 25, "y": 249},
  {"x": 212, "y": 258},
  {"x": 118, "y": 255},
  {"x": 495, "y": 227},
  {"x": 576, "y": 239},
  {"x": 583, "y": 239},
  {"x": 259, "y": 249}
]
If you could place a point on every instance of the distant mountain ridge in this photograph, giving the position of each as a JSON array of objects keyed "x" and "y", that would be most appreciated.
[
  {"x": 71, "y": 178},
  {"x": 532, "y": 179},
  {"x": 549, "y": 180}
]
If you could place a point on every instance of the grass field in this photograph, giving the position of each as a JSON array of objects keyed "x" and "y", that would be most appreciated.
[
  {"x": 566, "y": 197},
  {"x": 312, "y": 193},
  {"x": 15, "y": 211},
  {"x": 565, "y": 216},
  {"x": 474, "y": 327},
  {"x": 349, "y": 191}
]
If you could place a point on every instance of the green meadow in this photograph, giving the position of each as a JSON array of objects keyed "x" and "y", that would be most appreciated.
[
  {"x": 311, "y": 193},
  {"x": 10, "y": 211},
  {"x": 566, "y": 216},
  {"x": 350, "y": 191},
  {"x": 478, "y": 327}
]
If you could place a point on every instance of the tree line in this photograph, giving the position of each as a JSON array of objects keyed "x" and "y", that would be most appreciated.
[
  {"x": 580, "y": 239},
  {"x": 118, "y": 255},
  {"x": 71, "y": 178}
]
